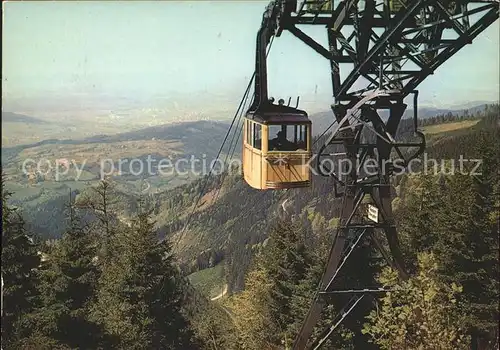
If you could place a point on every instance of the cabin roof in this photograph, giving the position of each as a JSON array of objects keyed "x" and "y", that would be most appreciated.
[{"x": 275, "y": 114}]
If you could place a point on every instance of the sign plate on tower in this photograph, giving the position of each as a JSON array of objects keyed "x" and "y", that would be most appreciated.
[{"x": 372, "y": 213}]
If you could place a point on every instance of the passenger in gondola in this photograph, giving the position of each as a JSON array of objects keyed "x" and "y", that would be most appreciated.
[{"x": 280, "y": 143}]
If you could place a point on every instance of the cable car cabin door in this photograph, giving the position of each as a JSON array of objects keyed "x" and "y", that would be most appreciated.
[{"x": 253, "y": 155}]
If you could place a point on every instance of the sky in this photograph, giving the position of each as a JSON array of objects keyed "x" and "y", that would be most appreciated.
[{"x": 195, "y": 49}]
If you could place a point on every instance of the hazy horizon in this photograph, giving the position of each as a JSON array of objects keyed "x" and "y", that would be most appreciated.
[{"x": 157, "y": 54}]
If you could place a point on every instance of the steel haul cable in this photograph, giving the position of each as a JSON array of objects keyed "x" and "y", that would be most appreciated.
[
  {"x": 238, "y": 131},
  {"x": 205, "y": 182},
  {"x": 237, "y": 115}
]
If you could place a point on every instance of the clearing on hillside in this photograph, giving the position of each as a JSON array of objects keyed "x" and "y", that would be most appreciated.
[{"x": 439, "y": 128}]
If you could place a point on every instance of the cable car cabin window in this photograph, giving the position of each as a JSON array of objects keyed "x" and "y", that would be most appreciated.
[
  {"x": 254, "y": 134},
  {"x": 257, "y": 136},
  {"x": 288, "y": 137},
  {"x": 249, "y": 132}
]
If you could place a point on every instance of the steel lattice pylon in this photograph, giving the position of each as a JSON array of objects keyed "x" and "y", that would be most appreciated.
[{"x": 391, "y": 46}]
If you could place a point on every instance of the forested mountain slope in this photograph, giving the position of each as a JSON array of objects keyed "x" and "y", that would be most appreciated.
[
  {"x": 236, "y": 224},
  {"x": 115, "y": 260}
]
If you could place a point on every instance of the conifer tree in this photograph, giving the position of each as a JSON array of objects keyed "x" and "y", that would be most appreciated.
[
  {"x": 20, "y": 260},
  {"x": 468, "y": 240},
  {"x": 139, "y": 298},
  {"x": 265, "y": 311},
  {"x": 97, "y": 203},
  {"x": 287, "y": 262},
  {"x": 419, "y": 313},
  {"x": 418, "y": 216},
  {"x": 67, "y": 284},
  {"x": 457, "y": 220},
  {"x": 212, "y": 324},
  {"x": 252, "y": 315}
]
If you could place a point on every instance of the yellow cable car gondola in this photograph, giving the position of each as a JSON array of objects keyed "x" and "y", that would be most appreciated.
[
  {"x": 277, "y": 148},
  {"x": 277, "y": 138}
]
